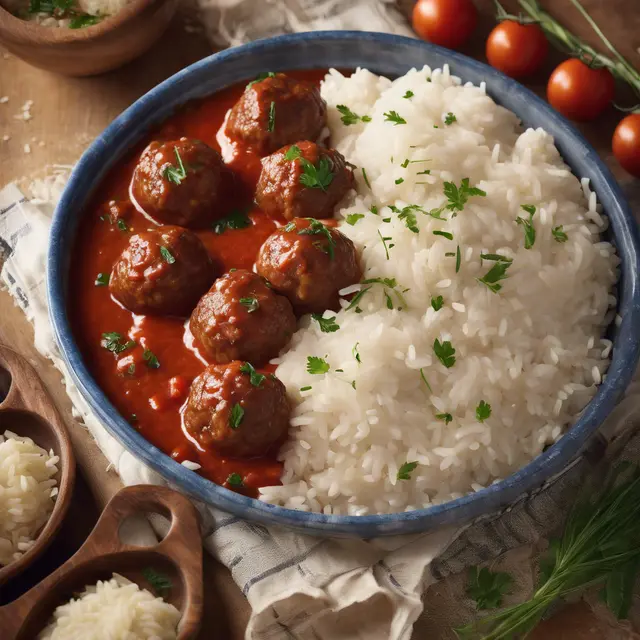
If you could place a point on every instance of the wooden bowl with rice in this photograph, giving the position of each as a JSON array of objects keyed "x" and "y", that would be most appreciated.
[{"x": 82, "y": 37}]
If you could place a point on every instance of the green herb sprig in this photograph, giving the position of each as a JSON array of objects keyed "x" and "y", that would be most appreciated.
[
  {"x": 349, "y": 117},
  {"x": 175, "y": 174}
]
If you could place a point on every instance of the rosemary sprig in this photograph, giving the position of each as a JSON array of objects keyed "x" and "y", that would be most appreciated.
[{"x": 601, "y": 536}]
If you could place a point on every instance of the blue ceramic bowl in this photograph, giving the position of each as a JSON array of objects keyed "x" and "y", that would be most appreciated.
[{"x": 391, "y": 56}]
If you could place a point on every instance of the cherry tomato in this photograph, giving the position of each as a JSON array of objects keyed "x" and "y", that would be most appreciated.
[
  {"x": 517, "y": 49},
  {"x": 448, "y": 23},
  {"x": 580, "y": 92},
  {"x": 626, "y": 144}
]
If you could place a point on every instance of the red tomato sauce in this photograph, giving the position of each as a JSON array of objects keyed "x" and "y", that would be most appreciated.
[{"x": 151, "y": 399}]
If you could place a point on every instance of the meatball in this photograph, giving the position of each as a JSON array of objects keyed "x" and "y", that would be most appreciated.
[
  {"x": 235, "y": 413},
  {"x": 276, "y": 111},
  {"x": 163, "y": 271},
  {"x": 179, "y": 182},
  {"x": 281, "y": 189},
  {"x": 241, "y": 318},
  {"x": 309, "y": 263}
]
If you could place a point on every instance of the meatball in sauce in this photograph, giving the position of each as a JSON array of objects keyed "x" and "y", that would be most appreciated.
[
  {"x": 276, "y": 111},
  {"x": 179, "y": 182},
  {"x": 241, "y": 318},
  {"x": 162, "y": 271},
  {"x": 309, "y": 263},
  {"x": 236, "y": 411},
  {"x": 303, "y": 180}
]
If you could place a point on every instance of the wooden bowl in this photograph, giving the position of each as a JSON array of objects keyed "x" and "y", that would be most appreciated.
[
  {"x": 28, "y": 410},
  {"x": 89, "y": 50},
  {"x": 178, "y": 557}
]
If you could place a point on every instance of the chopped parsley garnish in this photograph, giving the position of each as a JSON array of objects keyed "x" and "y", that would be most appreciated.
[
  {"x": 352, "y": 218},
  {"x": 366, "y": 180},
  {"x": 450, "y": 118},
  {"x": 496, "y": 257},
  {"x": 131, "y": 369},
  {"x": 349, "y": 117},
  {"x": 559, "y": 235},
  {"x": 316, "y": 228},
  {"x": 395, "y": 117},
  {"x": 235, "y": 220},
  {"x": 437, "y": 303},
  {"x": 317, "y": 366},
  {"x": 458, "y": 196},
  {"x": 175, "y": 174},
  {"x": 293, "y": 153},
  {"x": 353, "y": 384},
  {"x": 313, "y": 176},
  {"x": 374, "y": 209},
  {"x": 235, "y": 480},
  {"x": 424, "y": 379},
  {"x": 487, "y": 587},
  {"x": 483, "y": 411},
  {"x": 405, "y": 164},
  {"x": 356, "y": 299},
  {"x": 356, "y": 353},
  {"x": 83, "y": 20},
  {"x": 255, "y": 378},
  {"x": 250, "y": 303},
  {"x": 114, "y": 342},
  {"x": 384, "y": 243},
  {"x": 529, "y": 229},
  {"x": 497, "y": 272},
  {"x": 404, "y": 472},
  {"x": 160, "y": 582},
  {"x": 271, "y": 124},
  {"x": 53, "y": 7},
  {"x": 409, "y": 217},
  {"x": 450, "y": 254},
  {"x": 122, "y": 225},
  {"x": 426, "y": 172},
  {"x": 289, "y": 227},
  {"x": 150, "y": 358},
  {"x": 445, "y": 353},
  {"x": 390, "y": 285},
  {"x": 458, "y": 258},
  {"x": 305, "y": 388},
  {"x": 445, "y": 417},
  {"x": 262, "y": 76},
  {"x": 102, "y": 280},
  {"x": 408, "y": 94},
  {"x": 167, "y": 256},
  {"x": 327, "y": 325},
  {"x": 236, "y": 416},
  {"x": 444, "y": 234},
  {"x": 399, "y": 180}
]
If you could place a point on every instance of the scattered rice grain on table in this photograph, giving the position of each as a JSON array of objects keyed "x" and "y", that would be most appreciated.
[{"x": 389, "y": 428}]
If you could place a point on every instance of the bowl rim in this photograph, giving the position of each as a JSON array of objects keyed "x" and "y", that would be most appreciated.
[
  {"x": 16, "y": 29},
  {"x": 493, "y": 498}
]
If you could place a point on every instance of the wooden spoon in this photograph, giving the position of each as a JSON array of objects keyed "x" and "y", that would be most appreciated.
[
  {"x": 178, "y": 557},
  {"x": 28, "y": 410}
]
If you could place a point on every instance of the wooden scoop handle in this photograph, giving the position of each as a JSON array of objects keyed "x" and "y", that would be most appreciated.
[{"x": 182, "y": 546}]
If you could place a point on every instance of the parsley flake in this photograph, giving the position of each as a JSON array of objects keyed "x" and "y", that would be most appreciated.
[
  {"x": 444, "y": 234},
  {"x": 529, "y": 229},
  {"x": 167, "y": 256},
  {"x": 262, "y": 76},
  {"x": 81, "y": 21},
  {"x": 437, "y": 303},
  {"x": 457, "y": 196},
  {"x": 250, "y": 303},
  {"x": 305, "y": 388},
  {"x": 113, "y": 341},
  {"x": 317, "y": 366},
  {"x": 399, "y": 180},
  {"x": 352, "y": 218},
  {"x": 384, "y": 243},
  {"x": 445, "y": 417},
  {"x": 349, "y": 117},
  {"x": 316, "y": 176},
  {"x": 150, "y": 358},
  {"x": 356, "y": 353},
  {"x": 497, "y": 272},
  {"x": 487, "y": 587},
  {"x": 366, "y": 180},
  {"x": 255, "y": 378},
  {"x": 236, "y": 416},
  {"x": 122, "y": 225},
  {"x": 271, "y": 124},
  {"x": 316, "y": 228},
  {"x": 395, "y": 117},
  {"x": 235, "y": 220},
  {"x": 234, "y": 479},
  {"x": 424, "y": 379},
  {"x": 483, "y": 411},
  {"x": 408, "y": 94},
  {"x": 175, "y": 174},
  {"x": 559, "y": 235},
  {"x": 327, "y": 325},
  {"x": 496, "y": 257},
  {"x": 102, "y": 280},
  {"x": 160, "y": 582},
  {"x": 445, "y": 353},
  {"x": 404, "y": 472},
  {"x": 405, "y": 164},
  {"x": 450, "y": 118},
  {"x": 458, "y": 258}
]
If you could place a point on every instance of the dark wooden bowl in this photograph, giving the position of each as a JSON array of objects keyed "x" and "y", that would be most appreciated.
[
  {"x": 90, "y": 50},
  {"x": 28, "y": 410},
  {"x": 178, "y": 557}
]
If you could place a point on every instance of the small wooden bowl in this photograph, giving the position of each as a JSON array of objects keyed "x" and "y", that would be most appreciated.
[
  {"x": 27, "y": 410},
  {"x": 89, "y": 50},
  {"x": 178, "y": 556}
]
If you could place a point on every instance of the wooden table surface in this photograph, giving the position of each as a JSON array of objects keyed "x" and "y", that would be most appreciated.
[{"x": 69, "y": 112}]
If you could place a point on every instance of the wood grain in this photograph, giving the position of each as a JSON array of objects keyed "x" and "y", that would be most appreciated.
[
  {"x": 178, "y": 557},
  {"x": 28, "y": 410}
]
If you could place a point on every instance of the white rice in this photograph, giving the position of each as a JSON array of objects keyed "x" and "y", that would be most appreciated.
[
  {"x": 27, "y": 493},
  {"x": 532, "y": 350},
  {"x": 114, "y": 609}
]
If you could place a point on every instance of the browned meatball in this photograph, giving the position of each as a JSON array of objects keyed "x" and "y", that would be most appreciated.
[
  {"x": 309, "y": 263},
  {"x": 163, "y": 271},
  {"x": 179, "y": 182},
  {"x": 282, "y": 190},
  {"x": 241, "y": 318},
  {"x": 236, "y": 413},
  {"x": 275, "y": 111}
]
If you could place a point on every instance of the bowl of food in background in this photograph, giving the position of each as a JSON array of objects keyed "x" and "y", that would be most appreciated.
[
  {"x": 470, "y": 351},
  {"x": 82, "y": 37}
]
